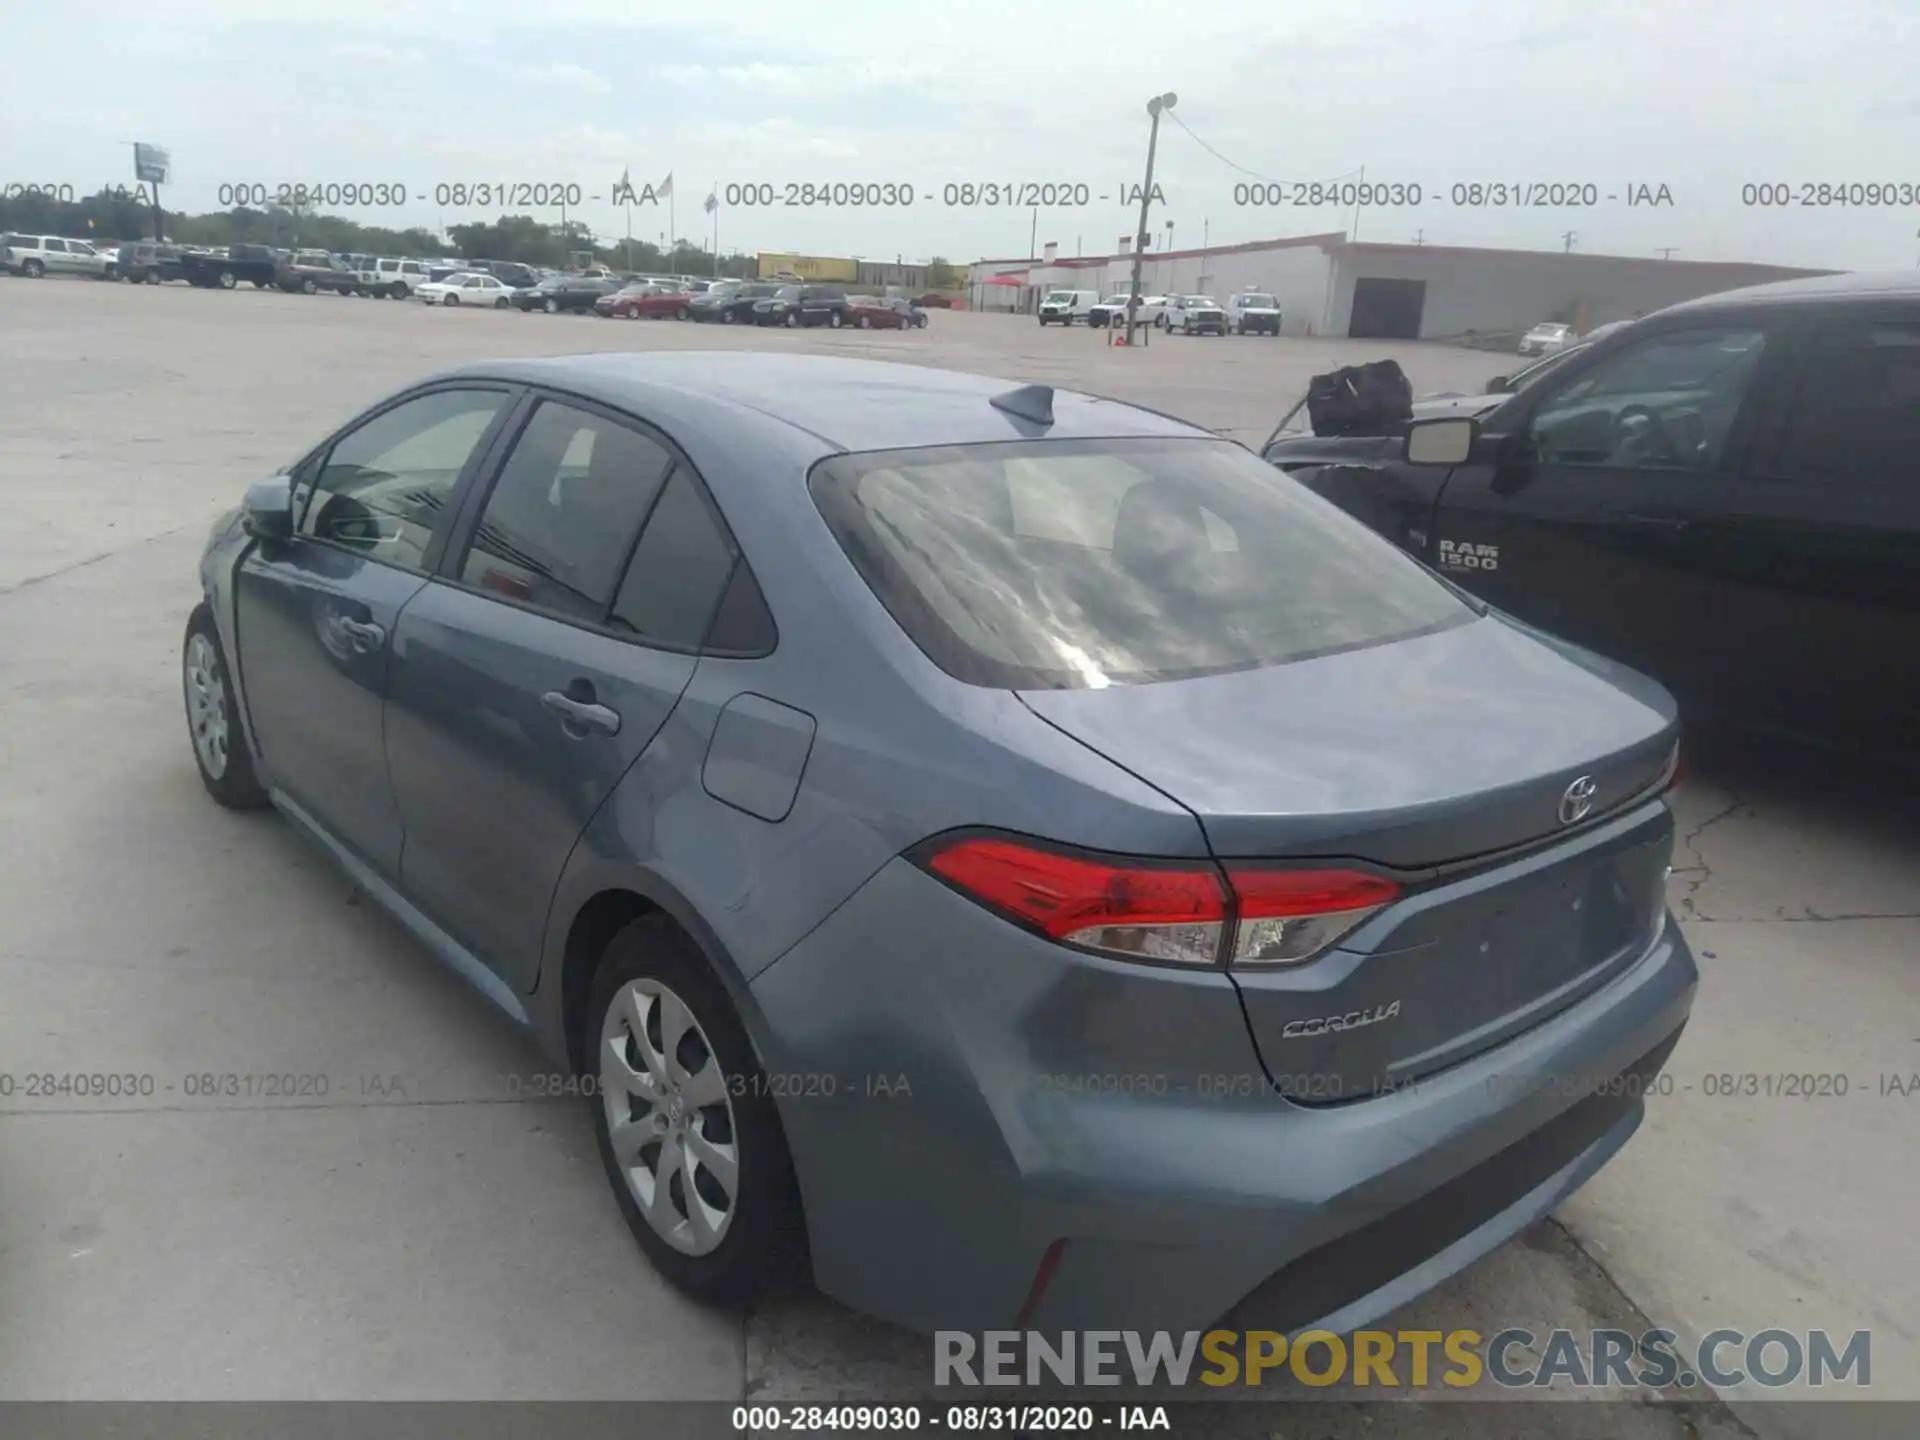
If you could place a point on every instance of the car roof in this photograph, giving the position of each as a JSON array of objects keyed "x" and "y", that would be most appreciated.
[
  {"x": 1811, "y": 289},
  {"x": 842, "y": 404}
]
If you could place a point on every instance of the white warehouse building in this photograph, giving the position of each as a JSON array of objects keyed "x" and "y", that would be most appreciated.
[{"x": 1328, "y": 285}]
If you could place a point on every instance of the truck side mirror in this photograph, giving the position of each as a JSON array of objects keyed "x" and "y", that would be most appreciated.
[{"x": 1444, "y": 441}]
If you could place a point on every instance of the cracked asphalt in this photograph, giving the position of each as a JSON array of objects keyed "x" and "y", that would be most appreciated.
[{"x": 409, "y": 1220}]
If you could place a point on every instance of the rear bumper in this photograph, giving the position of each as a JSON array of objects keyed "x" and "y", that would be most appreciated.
[{"x": 992, "y": 1094}]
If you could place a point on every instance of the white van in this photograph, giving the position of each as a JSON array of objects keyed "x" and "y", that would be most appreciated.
[{"x": 1066, "y": 306}]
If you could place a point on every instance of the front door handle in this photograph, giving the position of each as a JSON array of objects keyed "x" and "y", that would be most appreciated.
[
  {"x": 579, "y": 716},
  {"x": 366, "y": 636}
]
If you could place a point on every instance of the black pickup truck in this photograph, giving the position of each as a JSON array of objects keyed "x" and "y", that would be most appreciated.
[
  {"x": 254, "y": 263},
  {"x": 1720, "y": 494}
]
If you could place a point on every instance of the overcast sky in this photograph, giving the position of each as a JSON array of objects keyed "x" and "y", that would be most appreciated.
[{"x": 1701, "y": 97}]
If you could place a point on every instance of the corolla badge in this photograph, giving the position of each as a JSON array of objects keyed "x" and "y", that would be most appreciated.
[
  {"x": 1334, "y": 1024},
  {"x": 1578, "y": 800}
]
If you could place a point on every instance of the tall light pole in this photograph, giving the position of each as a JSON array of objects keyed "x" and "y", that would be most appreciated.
[
  {"x": 1170, "y": 265},
  {"x": 1154, "y": 107}
]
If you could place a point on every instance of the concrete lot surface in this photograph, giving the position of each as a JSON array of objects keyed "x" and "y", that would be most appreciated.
[{"x": 423, "y": 1229}]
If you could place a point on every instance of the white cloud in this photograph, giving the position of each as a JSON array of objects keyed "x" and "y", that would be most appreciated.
[{"x": 570, "y": 76}]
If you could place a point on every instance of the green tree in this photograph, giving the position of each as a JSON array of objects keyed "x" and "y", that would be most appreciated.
[{"x": 941, "y": 275}]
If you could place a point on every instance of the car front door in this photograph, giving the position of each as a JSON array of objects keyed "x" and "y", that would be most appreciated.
[
  {"x": 316, "y": 613},
  {"x": 1597, "y": 515},
  {"x": 532, "y": 673},
  {"x": 58, "y": 262},
  {"x": 1820, "y": 617}
]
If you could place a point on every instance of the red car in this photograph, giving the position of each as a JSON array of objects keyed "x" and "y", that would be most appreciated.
[
  {"x": 868, "y": 313},
  {"x": 653, "y": 302}
]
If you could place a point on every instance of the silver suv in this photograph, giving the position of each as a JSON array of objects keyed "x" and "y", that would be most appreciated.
[
  {"x": 391, "y": 279},
  {"x": 38, "y": 255}
]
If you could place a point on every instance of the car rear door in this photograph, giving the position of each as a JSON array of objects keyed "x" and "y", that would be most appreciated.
[
  {"x": 536, "y": 667},
  {"x": 1818, "y": 609},
  {"x": 316, "y": 614},
  {"x": 1595, "y": 514}
]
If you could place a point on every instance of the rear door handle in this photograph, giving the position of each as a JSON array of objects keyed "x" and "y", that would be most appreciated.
[
  {"x": 581, "y": 715},
  {"x": 366, "y": 636}
]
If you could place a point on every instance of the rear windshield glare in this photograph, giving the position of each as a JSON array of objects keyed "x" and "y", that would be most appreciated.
[{"x": 1079, "y": 564}]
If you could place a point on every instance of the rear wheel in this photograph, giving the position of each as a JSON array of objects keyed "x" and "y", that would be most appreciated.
[
  {"x": 308, "y": 287},
  {"x": 727, "y": 317},
  {"x": 793, "y": 319},
  {"x": 834, "y": 319},
  {"x": 500, "y": 304},
  {"x": 213, "y": 719},
  {"x": 552, "y": 307},
  {"x": 153, "y": 277},
  {"x": 687, "y": 1128}
]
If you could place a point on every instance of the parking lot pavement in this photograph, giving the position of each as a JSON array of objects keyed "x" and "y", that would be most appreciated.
[{"x": 413, "y": 1224}]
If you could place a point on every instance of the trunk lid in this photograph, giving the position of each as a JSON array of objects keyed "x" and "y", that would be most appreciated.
[{"x": 1444, "y": 761}]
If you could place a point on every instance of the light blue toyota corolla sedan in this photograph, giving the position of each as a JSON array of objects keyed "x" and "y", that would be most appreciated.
[{"x": 1009, "y": 855}]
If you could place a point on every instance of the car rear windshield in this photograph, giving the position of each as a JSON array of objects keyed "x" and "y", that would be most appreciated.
[{"x": 1079, "y": 564}]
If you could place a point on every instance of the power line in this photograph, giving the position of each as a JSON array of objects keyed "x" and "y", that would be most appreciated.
[{"x": 1174, "y": 116}]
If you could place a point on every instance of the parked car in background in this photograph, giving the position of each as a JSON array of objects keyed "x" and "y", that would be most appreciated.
[
  {"x": 934, "y": 300},
  {"x": 258, "y": 265},
  {"x": 147, "y": 263},
  {"x": 1254, "y": 313},
  {"x": 1719, "y": 495},
  {"x": 798, "y": 305},
  {"x": 645, "y": 301},
  {"x": 511, "y": 272},
  {"x": 1063, "y": 307},
  {"x": 573, "y": 294},
  {"x": 915, "y": 315},
  {"x": 311, "y": 271},
  {"x": 1196, "y": 315},
  {"x": 868, "y": 312},
  {"x": 731, "y": 302},
  {"x": 394, "y": 278},
  {"x": 1131, "y": 761},
  {"x": 466, "y": 287},
  {"x": 1113, "y": 308},
  {"x": 37, "y": 255},
  {"x": 1545, "y": 339}
]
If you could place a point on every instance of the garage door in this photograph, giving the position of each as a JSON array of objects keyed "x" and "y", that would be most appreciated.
[{"x": 1387, "y": 309}]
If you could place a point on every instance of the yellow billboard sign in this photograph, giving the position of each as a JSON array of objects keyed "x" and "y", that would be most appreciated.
[{"x": 808, "y": 267}]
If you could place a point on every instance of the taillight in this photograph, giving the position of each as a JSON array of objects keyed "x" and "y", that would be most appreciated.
[{"x": 1186, "y": 913}]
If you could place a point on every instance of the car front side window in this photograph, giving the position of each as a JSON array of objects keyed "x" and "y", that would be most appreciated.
[
  {"x": 1668, "y": 403},
  {"x": 384, "y": 486}
]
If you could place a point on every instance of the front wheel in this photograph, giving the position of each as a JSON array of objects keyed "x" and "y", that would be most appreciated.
[
  {"x": 865, "y": 322},
  {"x": 153, "y": 277},
  {"x": 213, "y": 719},
  {"x": 33, "y": 269},
  {"x": 834, "y": 320},
  {"x": 308, "y": 287},
  {"x": 552, "y": 307},
  {"x": 686, "y": 1123},
  {"x": 793, "y": 319},
  {"x": 451, "y": 301},
  {"x": 727, "y": 317}
]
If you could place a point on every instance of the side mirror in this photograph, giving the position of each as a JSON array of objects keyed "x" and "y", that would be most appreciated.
[
  {"x": 1499, "y": 385},
  {"x": 1445, "y": 441},
  {"x": 267, "y": 512}
]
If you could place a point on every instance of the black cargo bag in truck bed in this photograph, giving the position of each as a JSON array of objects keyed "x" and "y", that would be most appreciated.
[{"x": 1374, "y": 399}]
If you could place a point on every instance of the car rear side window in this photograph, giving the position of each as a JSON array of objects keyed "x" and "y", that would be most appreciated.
[
  {"x": 384, "y": 486},
  {"x": 680, "y": 569},
  {"x": 563, "y": 514},
  {"x": 1079, "y": 564},
  {"x": 1856, "y": 418}
]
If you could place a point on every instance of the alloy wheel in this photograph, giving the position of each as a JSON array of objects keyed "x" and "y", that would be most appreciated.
[
  {"x": 207, "y": 705},
  {"x": 669, "y": 1117}
]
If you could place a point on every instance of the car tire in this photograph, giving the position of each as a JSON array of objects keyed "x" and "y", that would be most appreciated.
[
  {"x": 865, "y": 322},
  {"x": 834, "y": 320},
  {"x": 727, "y": 318},
  {"x": 793, "y": 319},
  {"x": 307, "y": 287},
  {"x": 552, "y": 307},
  {"x": 32, "y": 269},
  {"x": 153, "y": 277},
  {"x": 500, "y": 304},
  {"x": 227, "y": 280},
  {"x": 220, "y": 750},
  {"x": 650, "y": 976},
  {"x": 450, "y": 301}
]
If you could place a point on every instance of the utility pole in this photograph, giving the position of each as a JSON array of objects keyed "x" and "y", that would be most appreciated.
[
  {"x": 1420, "y": 237},
  {"x": 1566, "y": 241},
  {"x": 1033, "y": 236},
  {"x": 1667, "y": 252},
  {"x": 1356, "y": 202},
  {"x": 1154, "y": 107}
]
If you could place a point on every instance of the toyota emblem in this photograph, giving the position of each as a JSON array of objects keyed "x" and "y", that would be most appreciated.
[{"x": 1578, "y": 800}]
